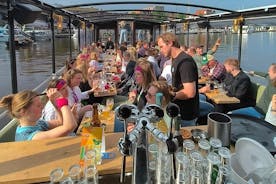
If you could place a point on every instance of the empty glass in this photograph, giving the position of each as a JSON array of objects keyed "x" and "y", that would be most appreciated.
[
  {"x": 196, "y": 177},
  {"x": 224, "y": 175},
  {"x": 90, "y": 158},
  {"x": 188, "y": 146},
  {"x": 91, "y": 175},
  {"x": 75, "y": 173},
  {"x": 196, "y": 161},
  {"x": 225, "y": 155},
  {"x": 204, "y": 147},
  {"x": 215, "y": 144},
  {"x": 153, "y": 150},
  {"x": 56, "y": 175},
  {"x": 182, "y": 161},
  {"x": 213, "y": 169}
]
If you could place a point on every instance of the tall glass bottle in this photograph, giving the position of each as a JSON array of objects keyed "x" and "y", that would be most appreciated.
[{"x": 96, "y": 122}]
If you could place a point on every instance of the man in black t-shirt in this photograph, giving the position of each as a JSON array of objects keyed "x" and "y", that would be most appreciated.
[{"x": 184, "y": 78}]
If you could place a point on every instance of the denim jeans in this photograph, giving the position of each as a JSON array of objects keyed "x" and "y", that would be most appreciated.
[
  {"x": 123, "y": 36},
  {"x": 250, "y": 111},
  {"x": 186, "y": 123}
]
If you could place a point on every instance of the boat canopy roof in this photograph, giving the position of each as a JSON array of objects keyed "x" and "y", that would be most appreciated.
[{"x": 161, "y": 11}]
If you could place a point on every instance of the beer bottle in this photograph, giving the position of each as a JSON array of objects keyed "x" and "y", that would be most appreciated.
[{"x": 96, "y": 122}]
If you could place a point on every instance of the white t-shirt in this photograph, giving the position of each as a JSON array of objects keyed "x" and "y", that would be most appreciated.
[
  {"x": 167, "y": 74},
  {"x": 270, "y": 116}
]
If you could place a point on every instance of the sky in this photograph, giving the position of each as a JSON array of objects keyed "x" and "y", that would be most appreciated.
[{"x": 226, "y": 4}]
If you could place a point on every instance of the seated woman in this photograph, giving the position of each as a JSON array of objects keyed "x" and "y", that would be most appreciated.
[
  {"x": 73, "y": 78},
  {"x": 144, "y": 75},
  {"x": 49, "y": 111},
  {"x": 26, "y": 106}
]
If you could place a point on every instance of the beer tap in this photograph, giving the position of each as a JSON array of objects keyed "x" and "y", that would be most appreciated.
[{"x": 135, "y": 142}]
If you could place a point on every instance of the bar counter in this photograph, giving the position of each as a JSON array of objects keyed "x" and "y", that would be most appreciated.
[{"x": 32, "y": 161}]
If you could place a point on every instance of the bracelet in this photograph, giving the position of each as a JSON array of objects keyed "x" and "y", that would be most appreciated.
[{"x": 60, "y": 102}]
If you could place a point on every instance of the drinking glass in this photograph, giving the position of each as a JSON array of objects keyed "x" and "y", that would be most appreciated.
[
  {"x": 109, "y": 103},
  {"x": 188, "y": 146},
  {"x": 75, "y": 173},
  {"x": 204, "y": 147},
  {"x": 196, "y": 177},
  {"x": 224, "y": 176},
  {"x": 215, "y": 144},
  {"x": 56, "y": 175},
  {"x": 68, "y": 180},
  {"x": 182, "y": 168},
  {"x": 90, "y": 158},
  {"x": 212, "y": 169},
  {"x": 153, "y": 150},
  {"x": 91, "y": 175},
  {"x": 225, "y": 155},
  {"x": 196, "y": 160}
]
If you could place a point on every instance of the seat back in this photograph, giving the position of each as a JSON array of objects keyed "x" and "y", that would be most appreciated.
[
  {"x": 254, "y": 90},
  {"x": 260, "y": 92},
  {"x": 7, "y": 133}
]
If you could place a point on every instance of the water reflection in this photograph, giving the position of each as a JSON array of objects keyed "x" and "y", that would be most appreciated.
[{"x": 34, "y": 63}]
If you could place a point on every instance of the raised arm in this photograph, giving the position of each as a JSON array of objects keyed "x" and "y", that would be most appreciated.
[{"x": 68, "y": 120}]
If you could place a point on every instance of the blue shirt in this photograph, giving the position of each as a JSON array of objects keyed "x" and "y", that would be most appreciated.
[{"x": 27, "y": 132}]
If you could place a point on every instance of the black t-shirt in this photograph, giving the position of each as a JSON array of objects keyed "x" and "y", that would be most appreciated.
[{"x": 184, "y": 70}]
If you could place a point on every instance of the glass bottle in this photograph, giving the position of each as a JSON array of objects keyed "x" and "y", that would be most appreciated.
[{"x": 96, "y": 122}]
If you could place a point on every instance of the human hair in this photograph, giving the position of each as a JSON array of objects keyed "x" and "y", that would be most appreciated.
[
  {"x": 273, "y": 66},
  {"x": 232, "y": 62},
  {"x": 70, "y": 74},
  {"x": 14, "y": 103},
  {"x": 169, "y": 37},
  {"x": 55, "y": 83},
  {"x": 132, "y": 52},
  {"x": 146, "y": 68},
  {"x": 164, "y": 88},
  {"x": 93, "y": 56}
]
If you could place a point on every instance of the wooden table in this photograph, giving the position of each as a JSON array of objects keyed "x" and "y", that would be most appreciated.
[
  {"x": 221, "y": 98},
  {"x": 109, "y": 128},
  {"x": 203, "y": 80},
  {"x": 32, "y": 161}
]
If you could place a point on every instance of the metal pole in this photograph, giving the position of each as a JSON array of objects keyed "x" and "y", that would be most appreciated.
[
  {"x": 207, "y": 37},
  {"x": 79, "y": 38},
  {"x": 70, "y": 36},
  {"x": 188, "y": 35},
  {"x": 240, "y": 42},
  {"x": 12, "y": 48},
  {"x": 53, "y": 45},
  {"x": 85, "y": 34}
]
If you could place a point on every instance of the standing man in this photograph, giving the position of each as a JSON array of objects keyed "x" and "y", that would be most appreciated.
[
  {"x": 109, "y": 44},
  {"x": 184, "y": 78}
]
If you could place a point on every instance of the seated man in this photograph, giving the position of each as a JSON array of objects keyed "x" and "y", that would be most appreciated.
[
  {"x": 214, "y": 70},
  {"x": 271, "y": 112},
  {"x": 263, "y": 104},
  {"x": 239, "y": 87}
]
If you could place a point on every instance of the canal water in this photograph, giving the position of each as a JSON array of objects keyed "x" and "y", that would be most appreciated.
[{"x": 34, "y": 62}]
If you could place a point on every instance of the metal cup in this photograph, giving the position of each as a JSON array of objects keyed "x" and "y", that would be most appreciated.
[{"x": 219, "y": 126}]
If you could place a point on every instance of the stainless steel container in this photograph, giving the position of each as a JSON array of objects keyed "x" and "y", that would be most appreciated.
[{"x": 219, "y": 126}]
